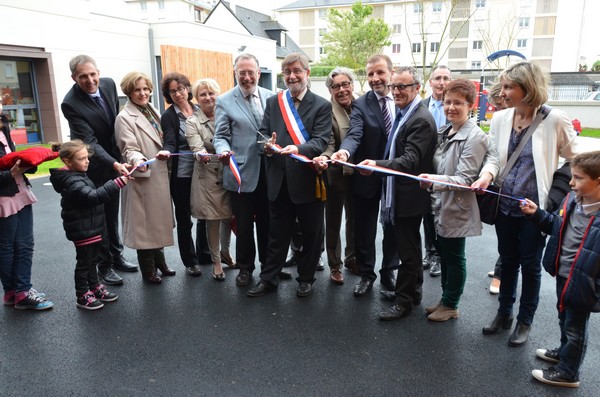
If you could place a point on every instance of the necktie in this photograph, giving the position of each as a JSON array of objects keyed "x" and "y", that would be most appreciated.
[
  {"x": 391, "y": 135},
  {"x": 102, "y": 103},
  {"x": 438, "y": 114},
  {"x": 387, "y": 118},
  {"x": 254, "y": 110}
]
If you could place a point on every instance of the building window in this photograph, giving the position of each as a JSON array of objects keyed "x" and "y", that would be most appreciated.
[
  {"x": 322, "y": 31},
  {"x": 476, "y": 65},
  {"x": 521, "y": 43},
  {"x": 396, "y": 28},
  {"x": 437, "y": 6},
  {"x": 396, "y": 48},
  {"x": 479, "y": 3},
  {"x": 418, "y": 7},
  {"x": 323, "y": 13},
  {"x": 416, "y": 47},
  {"x": 477, "y": 44},
  {"x": 161, "y": 4},
  {"x": 523, "y": 22},
  {"x": 143, "y": 5},
  {"x": 434, "y": 46},
  {"x": 321, "y": 51}
]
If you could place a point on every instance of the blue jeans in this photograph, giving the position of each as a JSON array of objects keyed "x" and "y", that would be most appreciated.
[
  {"x": 573, "y": 336},
  {"x": 16, "y": 250},
  {"x": 520, "y": 245}
]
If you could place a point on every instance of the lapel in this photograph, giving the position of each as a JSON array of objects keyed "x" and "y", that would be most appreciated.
[
  {"x": 376, "y": 109},
  {"x": 341, "y": 117},
  {"x": 243, "y": 104},
  {"x": 305, "y": 104},
  {"x": 90, "y": 104},
  {"x": 142, "y": 124}
]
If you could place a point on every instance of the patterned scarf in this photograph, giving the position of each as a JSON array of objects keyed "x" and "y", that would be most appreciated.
[{"x": 153, "y": 119}]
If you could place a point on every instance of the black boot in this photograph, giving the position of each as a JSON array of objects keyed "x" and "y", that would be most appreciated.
[{"x": 499, "y": 322}]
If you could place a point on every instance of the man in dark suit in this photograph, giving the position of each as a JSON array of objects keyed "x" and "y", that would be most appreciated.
[
  {"x": 91, "y": 107},
  {"x": 366, "y": 139},
  {"x": 410, "y": 149},
  {"x": 291, "y": 185},
  {"x": 440, "y": 77}
]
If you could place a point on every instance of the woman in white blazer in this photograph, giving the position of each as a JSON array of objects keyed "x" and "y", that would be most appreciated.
[
  {"x": 147, "y": 213},
  {"x": 520, "y": 243}
]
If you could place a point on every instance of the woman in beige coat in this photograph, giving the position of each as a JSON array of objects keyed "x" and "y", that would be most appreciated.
[
  {"x": 209, "y": 200},
  {"x": 147, "y": 213}
]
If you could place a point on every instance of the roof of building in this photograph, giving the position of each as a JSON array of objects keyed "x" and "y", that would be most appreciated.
[
  {"x": 302, "y": 4},
  {"x": 259, "y": 24},
  {"x": 571, "y": 78}
]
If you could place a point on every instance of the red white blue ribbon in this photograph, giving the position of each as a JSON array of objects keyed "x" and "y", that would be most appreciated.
[
  {"x": 292, "y": 119},
  {"x": 235, "y": 170},
  {"x": 388, "y": 171}
]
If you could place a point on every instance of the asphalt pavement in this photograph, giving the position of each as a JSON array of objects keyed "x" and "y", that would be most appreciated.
[{"x": 198, "y": 337}]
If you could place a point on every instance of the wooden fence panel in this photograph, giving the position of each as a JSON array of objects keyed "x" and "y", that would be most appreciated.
[{"x": 197, "y": 64}]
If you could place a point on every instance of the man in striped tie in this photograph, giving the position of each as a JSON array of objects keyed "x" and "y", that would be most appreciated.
[{"x": 371, "y": 122}]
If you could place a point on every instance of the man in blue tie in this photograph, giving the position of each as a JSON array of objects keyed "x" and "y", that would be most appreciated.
[
  {"x": 440, "y": 77},
  {"x": 91, "y": 107},
  {"x": 371, "y": 123},
  {"x": 412, "y": 143}
]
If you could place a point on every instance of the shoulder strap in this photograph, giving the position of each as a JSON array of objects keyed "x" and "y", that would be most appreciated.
[{"x": 542, "y": 114}]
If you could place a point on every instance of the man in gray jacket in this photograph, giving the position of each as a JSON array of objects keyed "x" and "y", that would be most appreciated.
[{"x": 238, "y": 117}]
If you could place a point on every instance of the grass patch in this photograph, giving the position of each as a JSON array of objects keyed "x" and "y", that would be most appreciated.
[
  {"x": 587, "y": 132},
  {"x": 44, "y": 168}
]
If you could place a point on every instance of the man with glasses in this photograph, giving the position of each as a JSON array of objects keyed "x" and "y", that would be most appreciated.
[
  {"x": 339, "y": 189},
  {"x": 409, "y": 149},
  {"x": 371, "y": 121},
  {"x": 91, "y": 107},
  {"x": 440, "y": 77},
  {"x": 300, "y": 123},
  {"x": 238, "y": 116}
]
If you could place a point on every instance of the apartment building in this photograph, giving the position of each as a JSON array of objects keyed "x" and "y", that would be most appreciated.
[{"x": 425, "y": 32}]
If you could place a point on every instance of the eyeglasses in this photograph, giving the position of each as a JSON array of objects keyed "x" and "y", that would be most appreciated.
[
  {"x": 345, "y": 84},
  {"x": 288, "y": 72},
  {"x": 400, "y": 87},
  {"x": 180, "y": 90},
  {"x": 456, "y": 104}
]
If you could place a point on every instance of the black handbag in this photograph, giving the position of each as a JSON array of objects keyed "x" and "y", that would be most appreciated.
[
  {"x": 489, "y": 202},
  {"x": 488, "y": 205}
]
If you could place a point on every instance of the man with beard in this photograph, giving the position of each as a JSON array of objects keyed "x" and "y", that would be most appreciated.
[{"x": 300, "y": 123}]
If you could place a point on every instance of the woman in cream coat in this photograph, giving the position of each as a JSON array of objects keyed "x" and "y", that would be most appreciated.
[
  {"x": 520, "y": 243},
  {"x": 209, "y": 200},
  {"x": 147, "y": 213}
]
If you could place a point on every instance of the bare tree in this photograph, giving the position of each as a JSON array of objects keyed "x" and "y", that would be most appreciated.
[{"x": 452, "y": 23}]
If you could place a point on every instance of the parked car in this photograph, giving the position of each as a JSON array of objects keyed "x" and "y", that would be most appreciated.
[{"x": 592, "y": 96}]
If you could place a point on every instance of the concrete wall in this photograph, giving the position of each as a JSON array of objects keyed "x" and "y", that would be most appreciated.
[{"x": 588, "y": 113}]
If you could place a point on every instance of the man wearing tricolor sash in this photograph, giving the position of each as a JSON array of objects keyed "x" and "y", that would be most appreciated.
[{"x": 299, "y": 123}]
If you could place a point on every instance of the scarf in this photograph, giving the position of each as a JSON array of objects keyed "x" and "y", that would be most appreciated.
[
  {"x": 389, "y": 186},
  {"x": 153, "y": 119}
]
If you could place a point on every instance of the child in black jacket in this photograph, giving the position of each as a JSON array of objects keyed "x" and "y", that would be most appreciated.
[{"x": 83, "y": 219}]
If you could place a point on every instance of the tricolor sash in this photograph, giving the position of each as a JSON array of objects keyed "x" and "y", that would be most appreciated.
[{"x": 292, "y": 119}]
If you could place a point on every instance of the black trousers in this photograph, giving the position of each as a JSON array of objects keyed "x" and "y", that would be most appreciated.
[
  {"x": 406, "y": 235},
  {"x": 86, "y": 274},
  {"x": 310, "y": 219},
  {"x": 111, "y": 246},
  {"x": 366, "y": 214},
  {"x": 191, "y": 253},
  {"x": 248, "y": 209}
]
